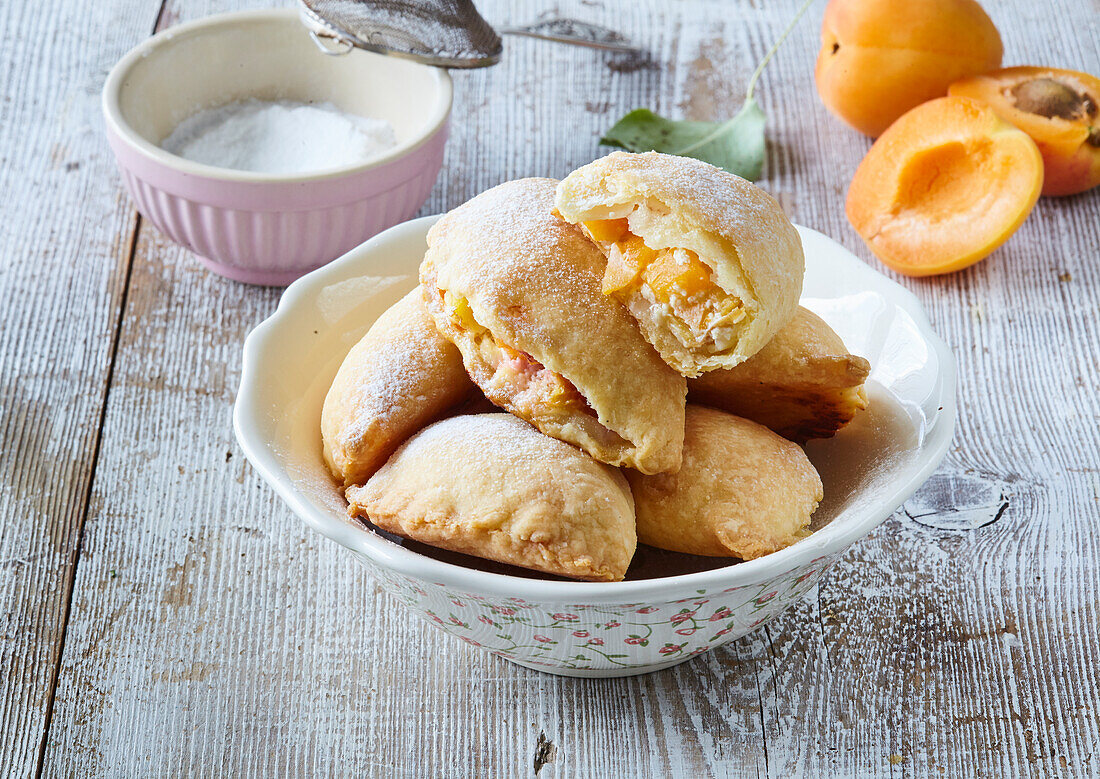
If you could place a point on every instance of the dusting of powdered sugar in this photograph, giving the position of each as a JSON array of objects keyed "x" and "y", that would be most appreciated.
[
  {"x": 283, "y": 137},
  {"x": 506, "y": 252},
  {"x": 402, "y": 369},
  {"x": 710, "y": 191},
  {"x": 481, "y": 438}
]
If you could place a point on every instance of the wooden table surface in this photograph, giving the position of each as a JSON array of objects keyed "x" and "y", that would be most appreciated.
[{"x": 162, "y": 613}]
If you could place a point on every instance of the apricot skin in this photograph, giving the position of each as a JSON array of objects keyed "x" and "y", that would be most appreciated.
[
  {"x": 1070, "y": 146},
  {"x": 880, "y": 58},
  {"x": 944, "y": 186}
]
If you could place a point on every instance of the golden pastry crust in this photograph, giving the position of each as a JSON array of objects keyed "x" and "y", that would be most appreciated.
[
  {"x": 400, "y": 376},
  {"x": 709, "y": 264},
  {"x": 804, "y": 384},
  {"x": 517, "y": 290},
  {"x": 491, "y": 485},
  {"x": 742, "y": 491}
]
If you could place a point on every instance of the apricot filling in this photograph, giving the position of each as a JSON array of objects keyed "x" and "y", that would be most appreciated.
[
  {"x": 517, "y": 377},
  {"x": 678, "y": 286}
]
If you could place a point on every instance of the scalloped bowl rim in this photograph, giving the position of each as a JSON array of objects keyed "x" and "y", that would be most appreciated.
[
  {"x": 828, "y": 541},
  {"x": 112, "y": 111}
]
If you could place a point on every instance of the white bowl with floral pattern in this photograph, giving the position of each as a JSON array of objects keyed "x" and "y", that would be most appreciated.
[{"x": 659, "y": 616}]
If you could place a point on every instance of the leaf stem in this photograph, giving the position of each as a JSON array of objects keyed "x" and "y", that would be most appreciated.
[
  {"x": 720, "y": 129},
  {"x": 775, "y": 47}
]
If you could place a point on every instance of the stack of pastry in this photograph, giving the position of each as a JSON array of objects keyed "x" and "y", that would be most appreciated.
[{"x": 637, "y": 331}]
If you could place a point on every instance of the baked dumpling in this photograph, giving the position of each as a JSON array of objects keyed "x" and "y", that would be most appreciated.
[
  {"x": 804, "y": 384},
  {"x": 742, "y": 491},
  {"x": 517, "y": 290},
  {"x": 706, "y": 262},
  {"x": 491, "y": 485},
  {"x": 400, "y": 376}
]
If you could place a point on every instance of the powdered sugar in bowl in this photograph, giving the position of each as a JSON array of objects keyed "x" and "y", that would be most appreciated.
[{"x": 260, "y": 226}]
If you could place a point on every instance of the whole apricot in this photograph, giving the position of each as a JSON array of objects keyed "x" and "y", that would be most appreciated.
[
  {"x": 1059, "y": 109},
  {"x": 944, "y": 186},
  {"x": 880, "y": 58}
]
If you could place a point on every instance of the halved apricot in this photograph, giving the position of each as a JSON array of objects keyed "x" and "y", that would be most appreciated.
[
  {"x": 1059, "y": 109},
  {"x": 880, "y": 58},
  {"x": 944, "y": 186}
]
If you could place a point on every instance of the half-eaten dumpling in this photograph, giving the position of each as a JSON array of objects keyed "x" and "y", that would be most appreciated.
[{"x": 706, "y": 262}]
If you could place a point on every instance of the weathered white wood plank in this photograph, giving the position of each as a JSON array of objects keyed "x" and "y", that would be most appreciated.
[
  {"x": 966, "y": 652},
  {"x": 65, "y": 241},
  {"x": 211, "y": 632}
]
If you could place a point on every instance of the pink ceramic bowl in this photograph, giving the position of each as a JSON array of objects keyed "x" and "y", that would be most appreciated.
[{"x": 265, "y": 228}]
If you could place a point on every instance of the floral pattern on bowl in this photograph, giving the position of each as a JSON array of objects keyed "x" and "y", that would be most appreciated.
[{"x": 601, "y": 639}]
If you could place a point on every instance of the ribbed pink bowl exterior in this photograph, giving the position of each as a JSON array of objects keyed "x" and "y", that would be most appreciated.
[{"x": 272, "y": 232}]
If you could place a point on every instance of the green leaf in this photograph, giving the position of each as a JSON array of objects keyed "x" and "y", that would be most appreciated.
[{"x": 736, "y": 145}]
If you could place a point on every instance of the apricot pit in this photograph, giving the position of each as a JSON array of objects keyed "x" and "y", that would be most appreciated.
[
  {"x": 1058, "y": 109},
  {"x": 1050, "y": 98}
]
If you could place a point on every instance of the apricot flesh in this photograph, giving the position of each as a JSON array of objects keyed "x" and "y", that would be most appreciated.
[
  {"x": 944, "y": 186},
  {"x": 880, "y": 58},
  {"x": 1059, "y": 109}
]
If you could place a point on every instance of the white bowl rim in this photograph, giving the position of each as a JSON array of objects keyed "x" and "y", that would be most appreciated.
[
  {"x": 826, "y": 542},
  {"x": 112, "y": 111}
]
